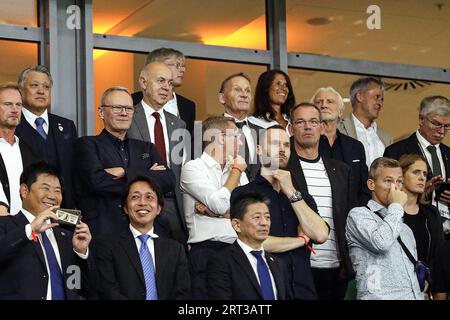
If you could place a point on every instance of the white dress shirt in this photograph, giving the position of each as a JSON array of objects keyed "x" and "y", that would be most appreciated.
[
  {"x": 31, "y": 118},
  {"x": 254, "y": 263},
  {"x": 151, "y": 127},
  {"x": 12, "y": 158},
  {"x": 51, "y": 236},
  {"x": 373, "y": 146},
  {"x": 150, "y": 242},
  {"x": 172, "y": 106},
  {"x": 248, "y": 136},
  {"x": 263, "y": 123},
  {"x": 203, "y": 180}
]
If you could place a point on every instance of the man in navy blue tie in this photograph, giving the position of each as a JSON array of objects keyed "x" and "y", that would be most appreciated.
[
  {"x": 38, "y": 259},
  {"x": 137, "y": 264},
  {"x": 244, "y": 271}
]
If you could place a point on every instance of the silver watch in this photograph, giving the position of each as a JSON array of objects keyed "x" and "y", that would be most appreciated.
[{"x": 296, "y": 196}]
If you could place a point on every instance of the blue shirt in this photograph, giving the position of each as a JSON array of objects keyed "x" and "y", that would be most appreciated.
[{"x": 284, "y": 223}]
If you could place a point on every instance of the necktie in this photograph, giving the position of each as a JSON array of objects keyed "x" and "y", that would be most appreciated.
[
  {"x": 39, "y": 127},
  {"x": 435, "y": 161},
  {"x": 244, "y": 151},
  {"x": 56, "y": 279},
  {"x": 148, "y": 268},
  {"x": 159, "y": 138},
  {"x": 264, "y": 276}
]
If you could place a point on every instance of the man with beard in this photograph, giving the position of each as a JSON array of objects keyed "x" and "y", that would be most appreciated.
[
  {"x": 329, "y": 182},
  {"x": 294, "y": 220}
]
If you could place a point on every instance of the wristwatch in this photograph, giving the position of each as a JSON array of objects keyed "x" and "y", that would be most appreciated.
[{"x": 296, "y": 196}]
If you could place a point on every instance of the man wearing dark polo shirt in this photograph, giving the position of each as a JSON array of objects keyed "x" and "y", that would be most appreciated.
[{"x": 294, "y": 221}]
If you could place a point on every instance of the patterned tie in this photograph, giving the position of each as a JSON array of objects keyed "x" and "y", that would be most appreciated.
[
  {"x": 39, "y": 127},
  {"x": 148, "y": 268},
  {"x": 56, "y": 279},
  {"x": 159, "y": 137},
  {"x": 435, "y": 161},
  {"x": 264, "y": 276}
]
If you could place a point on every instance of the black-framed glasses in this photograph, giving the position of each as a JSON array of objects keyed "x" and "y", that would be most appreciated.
[
  {"x": 301, "y": 123},
  {"x": 436, "y": 125},
  {"x": 117, "y": 108}
]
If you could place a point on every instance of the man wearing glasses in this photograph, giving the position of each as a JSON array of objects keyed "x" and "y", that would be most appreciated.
[
  {"x": 434, "y": 123},
  {"x": 106, "y": 162},
  {"x": 328, "y": 181}
]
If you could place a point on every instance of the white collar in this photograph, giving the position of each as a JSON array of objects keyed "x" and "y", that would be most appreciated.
[
  {"x": 359, "y": 124},
  {"x": 150, "y": 110},
  {"x": 230, "y": 116},
  {"x": 16, "y": 141},
  {"x": 424, "y": 142},
  {"x": 30, "y": 217},
  {"x": 208, "y": 160},
  {"x": 246, "y": 248},
  {"x": 31, "y": 117},
  {"x": 136, "y": 233}
]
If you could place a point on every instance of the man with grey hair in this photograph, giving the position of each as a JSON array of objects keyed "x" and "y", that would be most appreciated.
[
  {"x": 179, "y": 106},
  {"x": 335, "y": 145},
  {"x": 49, "y": 136},
  {"x": 107, "y": 162},
  {"x": 366, "y": 96},
  {"x": 434, "y": 123}
]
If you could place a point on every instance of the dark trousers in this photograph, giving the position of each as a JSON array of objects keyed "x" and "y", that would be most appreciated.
[
  {"x": 199, "y": 255},
  {"x": 329, "y": 284}
]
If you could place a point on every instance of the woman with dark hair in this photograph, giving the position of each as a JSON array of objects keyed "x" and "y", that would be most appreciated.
[
  {"x": 423, "y": 219},
  {"x": 274, "y": 99}
]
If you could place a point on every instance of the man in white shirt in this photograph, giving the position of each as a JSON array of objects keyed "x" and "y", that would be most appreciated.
[
  {"x": 40, "y": 260},
  {"x": 235, "y": 95},
  {"x": 207, "y": 183},
  {"x": 367, "y": 97},
  {"x": 244, "y": 271},
  {"x": 167, "y": 132}
]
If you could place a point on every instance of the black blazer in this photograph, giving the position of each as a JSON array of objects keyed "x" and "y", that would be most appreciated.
[
  {"x": 230, "y": 276},
  {"x": 410, "y": 145},
  {"x": 65, "y": 134},
  {"x": 24, "y": 274},
  {"x": 120, "y": 269},
  {"x": 343, "y": 198},
  {"x": 186, "y": 108},
  {"x": 355, "y": 158},
  {"x": 98, "y": 193}
]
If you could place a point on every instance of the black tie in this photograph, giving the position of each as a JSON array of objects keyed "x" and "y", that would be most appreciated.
[
  {"x": 241, "y": 124},
  {"x": 244, "y": 152},
  {"x": 437, "y": 171}
]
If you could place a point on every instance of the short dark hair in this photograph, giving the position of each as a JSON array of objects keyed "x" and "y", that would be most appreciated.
[
  {"x": 31, "y": 173},
  {"x": 362, "y": 84},
  {"x": 240, "y": 203},
  {"x": 234, "y": 75},
  {"x": 263, "y": 107},
  {"x": 303, "y": 105},
  {"x": 151, "y": 182}
]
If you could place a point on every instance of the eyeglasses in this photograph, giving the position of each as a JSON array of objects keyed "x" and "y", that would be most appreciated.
[
  {"x": 177, "y": 65},
  {"x": 436, "y": 125},
  {"x": 117, "y": 108},
  {"x": 301, "y": 123}
]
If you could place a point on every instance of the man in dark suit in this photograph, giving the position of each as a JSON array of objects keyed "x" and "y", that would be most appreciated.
[
  {"x": 104, "y": 164},
  {"x": 179, "y": 106},
  {"x": 137, "y": 264},
  {"x": 39, "y": 260},
  {"x": 434, "y": 123},
  {"x": 329, "y": 182},
  {"x": 235, "y": 95},
  {"x": 244, "y": 271},
  {"x": 152, "y": 123},
  {"x": 335, "y": 145},
  {"x": 49, "y": 136}
]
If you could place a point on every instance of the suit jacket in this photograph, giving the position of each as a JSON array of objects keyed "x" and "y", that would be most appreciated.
[
  {"x": 27, "y": 158},
  {"x": 411, "y": 145},
  {"x": 343, "y": 198},
  {"x": 347, "y": 126},
  {"x": 355, "y": 158},
  {"x": 121, "y": 273},
  {"x": 186, "y": 109},
  {"x": 175, "y": 130},
  {"x": 24, "y": 273},
  {"x": 230, "y": 276},
  {"x": 65, "y": 134},
  {"x": 98, "y": 193}
]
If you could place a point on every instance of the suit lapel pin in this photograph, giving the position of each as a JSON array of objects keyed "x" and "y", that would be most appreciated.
[
  {"x": 60, "y": 127},
  {"x": 271, "y": 259},
  {"x": 63, "y": 234},
  {"x": 171, "y": 123}
]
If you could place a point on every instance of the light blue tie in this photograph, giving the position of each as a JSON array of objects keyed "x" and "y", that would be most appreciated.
[
  {"x": 148, "y": 268},
  {"x": 39, "y": 127}
]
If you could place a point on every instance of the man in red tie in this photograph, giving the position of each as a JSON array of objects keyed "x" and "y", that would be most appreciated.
[{"x": 168, "y": 132}]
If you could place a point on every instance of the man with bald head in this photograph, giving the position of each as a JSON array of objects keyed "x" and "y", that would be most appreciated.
[{"x": 154, "y": 124}]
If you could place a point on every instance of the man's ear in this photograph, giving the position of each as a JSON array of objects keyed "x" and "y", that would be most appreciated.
[
  {"x": 236, "y": 225},
  {"x": 221, "y": 98},
  {"x": 421, "y": 121},
  {"x": 291, "y": 130},
  {"x": 358, "y": 96},
  {"x": 23, "y": 190},
  {"x": 371, "y": 184},
  {"x": 100, "y": 113},
  {"x": 142, "y": 83}
]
